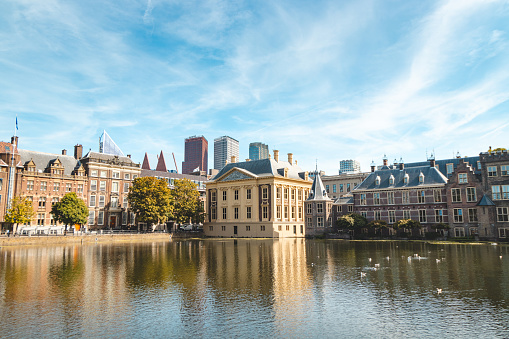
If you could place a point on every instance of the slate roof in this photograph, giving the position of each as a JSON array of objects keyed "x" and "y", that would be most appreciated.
[
  {"x": 472, "y": 161},
  {"x": 345, "y": 199},
  {"x": 44, "y": 160},
  {"x": 265, "y": 167},
  {"x": 432, "y": 176},
  {"x": 485, "y": 201},
  {"x": 317, "y": 191}
]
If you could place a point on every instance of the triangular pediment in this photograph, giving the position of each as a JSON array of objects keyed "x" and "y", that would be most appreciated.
[{"x": 236, "y": 174}]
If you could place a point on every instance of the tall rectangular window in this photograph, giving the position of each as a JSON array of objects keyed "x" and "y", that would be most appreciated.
[
  {"x": 502, "y": 214},
  {"x": 102, "y": 185},
  {"x": 340, "y": 188},
  {"x": 278, "y": 212},
  {"x": 44, "y": 185},
  {"x": 462, "y": 178},
  {"x": 293, "y": 195},
  {"x": 406, "y": 214},
  {"x": 376, "y": 198},
  {"x": 92, "y": 201},
  {"x": 91, "y": 217},
  {"x": 42, "y": 202},
  {"x": 236, "y": 194},
  {"x": 248, "y": 212},
  {"x": 248, "y": 194},
  {"x": 114, "y": 202},
  {"x": 422, "y": 216},
  {"x": 456, "y": 194},
  {"x": 101, "y": 200},
  {"x": 30, "y": 185},
  {"x": 224, "y": 213},
  {"x": 334, "y": 188},
  {"x": 68, "y": 187},
  {"x": 505, "y": 192},
  {"x": 286, "y": 212},
  {"x": 471, "y": 195},
  {"x": 472, "y": 215},
  {"x": 125, "y": 202},
  {"x": 213, "y": 213},
  {"x": 236, "y": 212},
  {"x": 449, "y": 168},
  {"x": 80, "y": 188},
  {"x": 405, "y": 197},
  {"x": 300, "y": 212},
  {"x": 93, "y": 185},
  {"x": 319, "y": 207},
  {"x": 458, "y": 215},
  {"x": 126, "y": 187},
  {"x": 378, "y": 215},
  {"x": 390, "y": 198},
  {"x": 286, "y": 193},
  {"x": 100, "y": 218},
  {"x": 437, "y": 195},
  {"x": 348, "y": 187},
  {"x": 421, "y": 197},
  {"x": 504, "y": 170},
  {"x": 392, "y": 217},
  {"x": 265, "y": 212},
  {"x": 299, "y": 195},
  {"x": 495, "y": 192},
  {"x": 309, "y": 209},
  {"x": 265, "y": 193},
  {"x": 492, "y": 171},
  {"x": 327, "y": 188},
  {"x": 56, "y": 187},
  {"x": 439, "y": 216},
  {"x": 293, "y": 212},
  {"x": 224, "y": 195},
  {"x": 363, "y": 198},
  {"x": 114, "y": 186},
  {"x": 319, "y": 222},
  {"x": 278, "y": 193}
]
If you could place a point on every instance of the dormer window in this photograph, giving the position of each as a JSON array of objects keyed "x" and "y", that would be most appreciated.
[
  {"x": 391, "y": 180},
  {"x": 377, "y": 180},
  {"x": 421, "y": 178},
  {"x": 405, "y": 179}
]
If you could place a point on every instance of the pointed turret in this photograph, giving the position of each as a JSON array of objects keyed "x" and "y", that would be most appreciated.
[
  {"x": 161, "y": 164},
  {"x": 318, "y": 191},
  {"x": 145, "y": 164}
]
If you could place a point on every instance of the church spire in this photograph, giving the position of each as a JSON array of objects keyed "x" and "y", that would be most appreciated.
[
  {"x": 161, "y": 164},
  {"x": 145, "y": 164}
]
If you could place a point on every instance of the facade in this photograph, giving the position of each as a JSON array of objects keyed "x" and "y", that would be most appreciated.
[
  {"x": 225, "y": 148},
  {"x": 110, "y": 177},
  {"x": 258, "y": 151},
  {"x": 196, "y": 155},
  {"x": 262, "y": 198},
  {"x": 343, "y": 184},
  {"x": 349, "y": 166},
  {"x": 318, "y": 207}
]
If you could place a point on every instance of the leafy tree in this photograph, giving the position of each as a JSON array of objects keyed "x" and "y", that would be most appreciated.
[
  {"x": 70, "y": 210},
  {"x": 440, "y": 226},
  {"x": 378, "y": 225},
  {"x": 187, "y": 202},
  {"x": 21, "y": 212},
  {"x": 150, "y": 198},
  {"x": 352, "y": 221},
  {"x": 407, "y": 224}
]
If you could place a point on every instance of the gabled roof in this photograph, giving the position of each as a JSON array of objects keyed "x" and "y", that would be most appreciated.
[
  {"x": 44, "y": 160},
  {"x": 317, "y": 191},
  {"x": 442, "y": 164},
  {"x": 432, "y": 176},
  {"x": 485, "y": 201},
  {"x": 264, "y": 167}
]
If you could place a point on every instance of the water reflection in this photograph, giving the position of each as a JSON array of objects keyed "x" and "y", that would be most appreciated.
[{"x": 255, "y": 288}]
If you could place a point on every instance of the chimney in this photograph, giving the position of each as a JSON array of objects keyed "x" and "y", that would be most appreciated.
[
  {"x": 276, "y": 155},
  {"x": 234, "y": 159},
  {"x": 295, "y": 162},
  {"x": 290, "y": 158},
  {"x": 401, "y": 166},
  {"x": 129, "y": 156},
  {"x": 432, "y": 162},
  {"x": 64, "y": 152},
  {"x": 78, "y": 152},
  {"x": 386, "y": 161},
  {"x": 373, "y": 166},
  {"x": 14, "y": 141},
  {"x": 248, "y": 160}
]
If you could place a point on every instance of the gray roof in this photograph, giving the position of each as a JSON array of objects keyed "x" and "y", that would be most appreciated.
[
  {"x": 264, "y": 167},
  {"x": 108, "y": 157},
  {"x": 432, "y": 176},
  {"x": 317, "y": 191},
  {"x": 345, "y": 199},
  {"x": 44, "y": 160},
  {"x": 485, "y": 201},
  {"x": 442, "y": 164},
  {"x": 151, "y": 173}
]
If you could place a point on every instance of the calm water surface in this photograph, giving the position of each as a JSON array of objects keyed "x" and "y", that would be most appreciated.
[{"x": 255, "y": 288}]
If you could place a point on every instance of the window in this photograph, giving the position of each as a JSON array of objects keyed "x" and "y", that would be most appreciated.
[
  {"x": 502, "y": 214},
  {"x": 348, "y": 187},
  {"x": 236, "y": 194},
  {"x": 405, "y": 178},
  {"x": 286, "y": 194},
  {"x": 378, "y": 215},
  {"x": 211, "y": 228},
  {"x": 93, "y": 173},
  {"x": 248, "y": 228},
  {"x": 223, "y": 228},
  {"x": 80, "y": 188},
  {"x": 102, "y": 186},
  {"x": 114, "y": 202},
  {"x": 300, "y": 212},
  {"x": 299, "y": 195},
  {"x": 363, "y": 199},
  {"x": 293, "y": 212},
  {"x": 492, "y": 171},
  {"x": 439, "y": 216},
  {"x": 42, "y": 202},
  {"x": 213, "y": 195},
  {"x": 116, "y": 175},
  {"x": 265, "y": 193},
  {"x": 224, "y": 195},
  {"x": 456, "y": 195},
  {"x": 278, "y": 193},
  {"x": 309, "y": 222},
  {"x": 224, "y": 213},
  {"x": 391, "y": 180},
  {"x": 462, "y": 178},
  {"x": 101, "y": 200},
  {"x": 319, "y": 207},
  {"x": 44, "y": 186},
  {"x": 301, "y": 229},
  {"x": 503, "y": 232},
  {"x": 286, "y": 212},
  {"x": 334, "y": 188},
  {"x": 421, "y": 197},
  {"x": 103, "y": 174},
  {"x": 293, "y": 194},
  {"x": 100, "y": 218},
  {"x": 471, "y": 195},
  {"x": 449, "y": 168},
  {"x": 437, "y": 195},
  {"x": 472, "y": 215},
  {"x": 91, "y": 217},
  {"x": 124, "y": 218},
  {"x": 505, "y": 192},
  {"x": 309, "y": 209},
  {"x": 364, "y": 214},
  {"x": 350, "y": 208},
  {"x": 248, "y": 194},
  {"x": 248, "y": 212},
  {"x": 327, "y": 188},
  {"x": 30, "y": 185},
  {"x": 125, "y": 202},
  {"x": 56, "y": 187},
  {"x": 422, "y": 216},
  {"x": 52, "y": 221},
  {"x": 135, "y": 176},
  {"x": 262, "y": 228},
  {"x": 278, "y": 212},
  {"x": 126, "y": 187},
  {"x": 504, "y": 170},
  {"x": 405, "y": 197},
  {"x": 265, "y": 212},
  {"x": 213, "y": 213},
  {"x": 421, "y": 178},
  {"x": 376, "y": 198},
  {"x": 54, "y": 200},
  {"x": 287, "y": 227},
  {"x": 340, "y": 188},
  {"x": 92, "y": 201},
  {"x": 459, "y": 232},
  {"x": 458, "y": 215},
  {"x": 495, "y": 192},
  {"x": 236, "y": 213},
  {"x": 406, "y": 214},
  {"x": 126, "y": 176},
  {"x": 93, "y": 185},
  {"x": 392, "y": 217},
  {"x": 390, "y": 198},
  {"x": 319, "y": 222},
  {"x": 68, "y": 187}
]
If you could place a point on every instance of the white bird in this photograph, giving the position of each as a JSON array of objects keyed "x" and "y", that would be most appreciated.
[
  {"x": 500, "y": 257},
  {"x": 438, "y": 260},
  {"x": 387, "y": 258},
  {"x": 369, "y": 259},
  {"x": 377, "y": 265},
  {"x": 416, "y": 255},
  {"x": 439, "y": 290},
  {"x": 363, "y": 274}
]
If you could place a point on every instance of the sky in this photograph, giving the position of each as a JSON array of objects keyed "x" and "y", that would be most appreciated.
[{"x": 324, "y": 80}]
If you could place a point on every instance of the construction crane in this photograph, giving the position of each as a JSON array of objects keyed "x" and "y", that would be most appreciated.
[{"x": 175, "y": 161}]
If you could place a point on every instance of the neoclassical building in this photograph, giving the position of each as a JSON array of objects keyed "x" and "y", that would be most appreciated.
[{"x": 262, "y": 198}]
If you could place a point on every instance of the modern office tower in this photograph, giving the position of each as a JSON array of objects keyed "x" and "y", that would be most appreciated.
[
  {"x": 196, "y": 155},
  {"x": 224, "y": 148},
  {"x": 258, "y": 151},
  {"x": 349, "y": 166}
]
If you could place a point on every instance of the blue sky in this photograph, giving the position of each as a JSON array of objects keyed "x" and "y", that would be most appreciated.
[{"x": 325, "y": 80}]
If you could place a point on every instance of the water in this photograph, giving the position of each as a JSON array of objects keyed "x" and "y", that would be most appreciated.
[{"x": 255, "y": 288}]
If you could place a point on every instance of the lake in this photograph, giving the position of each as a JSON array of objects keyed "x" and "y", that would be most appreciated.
[{"x": 255, "y": 288}]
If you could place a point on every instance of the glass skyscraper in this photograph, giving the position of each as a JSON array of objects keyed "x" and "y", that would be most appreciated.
[
  {"x": 258, "y": 151},
  {"x": 224, "y": 148}
]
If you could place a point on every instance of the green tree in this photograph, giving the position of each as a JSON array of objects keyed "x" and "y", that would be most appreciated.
[
  {"x": 21, "y": 212},
  {"x": 407, "y": 224},
  {"x": 70, "y": 210},
  {"x": 150, "y": 199},
  {"x": 378, "y": 225},
  {"x": 352, "y": 222},
  {"x": 187, "y": 202}
]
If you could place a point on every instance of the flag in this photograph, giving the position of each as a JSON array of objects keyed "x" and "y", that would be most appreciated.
[{"x": 16, "y": 122}]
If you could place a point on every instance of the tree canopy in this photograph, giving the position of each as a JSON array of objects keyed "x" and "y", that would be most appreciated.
[
  {"x": 187, "y": 204},
  {"x": 70, "y": 210},
  {"x": 151, "y": 199},
  {"x": 407, "y": 224},
  {"x": 21, "y": 211},
  {"x": 351, "y": 221}
]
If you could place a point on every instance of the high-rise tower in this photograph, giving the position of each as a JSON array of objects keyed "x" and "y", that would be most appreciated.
[
  {"x": 196, "y": 154},
  {"x": 258, "y": 151},
  {"x": 224, "y": 148}
]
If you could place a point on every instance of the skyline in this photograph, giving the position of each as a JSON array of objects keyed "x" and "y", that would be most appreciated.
[{"x": 323, "y": 80}]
